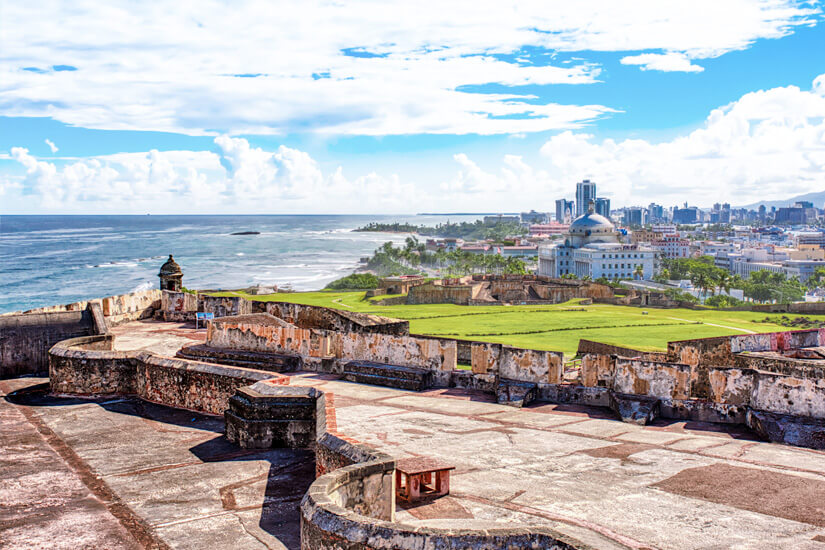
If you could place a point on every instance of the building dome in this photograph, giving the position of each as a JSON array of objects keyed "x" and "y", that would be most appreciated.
[
  {"x": 590, "y": 229},
  {"x": 170, "y": 267},
  {"x": 592, "y": 222}
]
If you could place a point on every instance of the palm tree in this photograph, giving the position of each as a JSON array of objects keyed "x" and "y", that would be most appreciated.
[{"x": 639, "y": 272}]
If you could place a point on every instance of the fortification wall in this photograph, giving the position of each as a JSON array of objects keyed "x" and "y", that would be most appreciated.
[
  {"x": 589, "y": 346},
  {"x": 78, "y": 366},
  {"x": 178, "y": 306},
  {"x": 117, "y": 309},
  {"x": 251, "y": 334},
  {"x": 439, "y": 294},
  {"x": 25, "y": 339},
  {"x": 330, "y": 319},
  {"x": 225, "y": 306}
]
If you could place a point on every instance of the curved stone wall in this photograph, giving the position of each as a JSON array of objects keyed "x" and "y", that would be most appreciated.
[
  {"x": 333, "y": 517},
  {"x": 88, "y": 366}
]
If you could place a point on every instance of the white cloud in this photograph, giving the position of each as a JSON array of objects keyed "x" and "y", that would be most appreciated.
[
  {"x": 238, "y": 178},
  {"x": 174, "y": 66},
  {"x": 767, "y": 145},
  {"x": 668, "y": 62},
  {"x": 51, "y": 145}
]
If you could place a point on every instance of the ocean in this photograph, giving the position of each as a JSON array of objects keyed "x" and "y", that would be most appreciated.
[{"x": 47, "y": 260}]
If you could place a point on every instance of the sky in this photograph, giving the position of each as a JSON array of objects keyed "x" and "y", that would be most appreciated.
[{"x": 380, "y": 107}]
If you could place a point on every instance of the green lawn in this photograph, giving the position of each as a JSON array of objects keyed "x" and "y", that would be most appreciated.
[{"x": 554, "y": 327}]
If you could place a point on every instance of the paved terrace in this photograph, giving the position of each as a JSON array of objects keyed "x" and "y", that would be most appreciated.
[{"x": 121, "y": 473}]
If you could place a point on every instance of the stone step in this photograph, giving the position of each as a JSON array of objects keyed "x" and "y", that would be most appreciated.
[
  {"x": 383, "y": 369},
  {"x": 241, "y": 358},
  {"x": 515, "y": 393},
  {"x": 394, "y": 376},
  {"x": 375, "y": 380}
]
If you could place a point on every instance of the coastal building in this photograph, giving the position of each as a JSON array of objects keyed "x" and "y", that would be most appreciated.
[
  {"x": 592, "y": 249},
  {"x": 171, "y": 276}
]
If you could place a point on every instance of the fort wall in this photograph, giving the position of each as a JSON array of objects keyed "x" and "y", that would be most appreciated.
[{"x": 80, "y": 367}]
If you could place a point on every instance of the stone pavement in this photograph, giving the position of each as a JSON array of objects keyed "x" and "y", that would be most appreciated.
[
  {"x": 673, "y": 485},
  {"x": 122, "y": 473},
  {"x": 159, "y": 478}
]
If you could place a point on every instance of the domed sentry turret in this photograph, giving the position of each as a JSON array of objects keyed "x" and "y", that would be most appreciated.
[{"x": 171, "y": 276}]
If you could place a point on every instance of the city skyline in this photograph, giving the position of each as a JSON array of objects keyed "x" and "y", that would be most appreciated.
[{"x": 350, "y": 109}]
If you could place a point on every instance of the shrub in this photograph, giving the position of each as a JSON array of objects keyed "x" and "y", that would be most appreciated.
[{"x": 356, "y": 281}]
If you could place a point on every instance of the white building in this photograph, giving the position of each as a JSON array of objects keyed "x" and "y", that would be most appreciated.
[
  {"x": 592, "y": 249},
  {"x": 672, "y": 246}
]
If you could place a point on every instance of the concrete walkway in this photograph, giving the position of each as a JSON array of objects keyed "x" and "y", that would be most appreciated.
[
  {"x": 122, "y": 473},
  {"x": 674, "y": 485}
]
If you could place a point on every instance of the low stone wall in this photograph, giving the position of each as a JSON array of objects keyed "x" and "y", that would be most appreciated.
[
  {"x": 589, "y": 346},
  {"x": 263, "y": 332},
  {"x": 636, "y": 376},
  {"x": 325, "y": 318},
  {"x": 117, "y": 309},
  {"x": 331, "y": 520},
  {"x": 771, "y": 392},
  {"x": 178, "y": 306},
  {"x": 25, "y": 339},
  {"x": 79, "y": 366},
  {"x": 440, "y": 294},
  {"x": 524, "y": 365},
  {"x": 225, "y": 306}
]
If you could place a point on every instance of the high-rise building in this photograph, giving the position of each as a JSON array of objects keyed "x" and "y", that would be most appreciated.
[
  {"x": 585, "y": 192},
  {"x": 564, "y": 210},
  {"x": 634, "y": 215},
  {"x": 602, "y": 207},
  {"x": 656, "y": 213}
]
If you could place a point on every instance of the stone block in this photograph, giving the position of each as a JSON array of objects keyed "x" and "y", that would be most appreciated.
[
  {"x": 515, "y": 393},
  {"x": 788, "y": 429},
  {"x": 266, "y": 415},
  {"x": 635, "y": 409}
]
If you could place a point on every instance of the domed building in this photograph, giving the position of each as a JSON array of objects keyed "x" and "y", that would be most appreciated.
[{"x": 592, "y": 249}]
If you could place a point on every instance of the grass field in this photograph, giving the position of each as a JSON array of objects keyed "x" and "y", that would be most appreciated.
[{"x": 554, "y": 327}]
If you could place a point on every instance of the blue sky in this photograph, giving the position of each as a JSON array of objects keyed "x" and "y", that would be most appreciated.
[{"x": 349, "y": 108}]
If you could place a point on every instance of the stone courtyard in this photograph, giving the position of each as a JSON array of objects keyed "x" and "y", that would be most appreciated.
[{"x": 124, "y": 473}]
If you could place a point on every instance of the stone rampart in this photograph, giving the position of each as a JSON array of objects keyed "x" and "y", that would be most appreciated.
[
  {"x": 78, "y": 366},
  {"x": 25, "y": 339},
  {"x": 178, "y": 306},
  {"x": 325, "y": 318},
  {"x": 589, "y": 346},
  {"x": 117, "y": 309},
  {"x": 225, "y": 306},
  {"x": 263, "y": 332},
  {"x": 440, "y": 294}
]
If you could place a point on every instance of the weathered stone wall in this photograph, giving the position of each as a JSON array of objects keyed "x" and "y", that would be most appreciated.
[
  {"x": 524, "y": 365},
  {"x": 225, "y": 306},
  {"x": 257, "y": 333},
  {"x": 178, "y": 306},
  {"x": 530, "y": 365},
  {"x": 440, "y": 294},
  {"x": 331, "y": 319},
  {"x": 116, "y": 309},
  {"x": 589, "y": 346},
  {"x": 769, "y": 391},
  {"x": 597, "y": 370},
  {"x": 655, "y": 379},
  {"x": 76, "y": 369},
  {"x": 25, "y": 339},
  {"x": 636, "y": 376}
]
